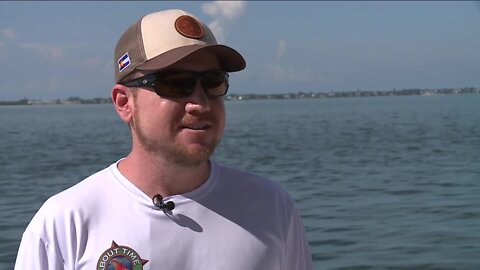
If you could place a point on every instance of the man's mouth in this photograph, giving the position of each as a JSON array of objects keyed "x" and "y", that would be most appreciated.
[{"x": 196, "y": 126}]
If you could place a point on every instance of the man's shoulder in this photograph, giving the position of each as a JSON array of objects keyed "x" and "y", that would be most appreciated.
[
  {"x": 251, "y": 198},
  {"x": 86, "y": 188},
  {"x": 238, "y": 180},
  {"x": 235, "y": 174},
  {"x": 81, "y": 195}
]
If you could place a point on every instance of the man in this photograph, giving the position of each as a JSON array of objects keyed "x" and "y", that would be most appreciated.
[{"x": 167, "y": 205}]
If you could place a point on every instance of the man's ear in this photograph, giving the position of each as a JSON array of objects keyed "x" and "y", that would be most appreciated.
[{"x": 122, "y": 99}]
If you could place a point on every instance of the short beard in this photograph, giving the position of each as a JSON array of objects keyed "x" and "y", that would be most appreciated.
[
  {"x": 174, "y": 153},
  {"x": 182, "y": 156}
]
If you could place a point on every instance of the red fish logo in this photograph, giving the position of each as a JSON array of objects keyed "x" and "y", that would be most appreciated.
[{"x": 118, "y": 265}]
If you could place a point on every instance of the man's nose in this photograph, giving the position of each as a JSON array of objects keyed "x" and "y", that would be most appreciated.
[{"x": 198, "y": 101}]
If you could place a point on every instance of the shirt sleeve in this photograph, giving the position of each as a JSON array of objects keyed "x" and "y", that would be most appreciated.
[
  {"x": 34, "y": 253},
  {"x": 297, "y": 249}
]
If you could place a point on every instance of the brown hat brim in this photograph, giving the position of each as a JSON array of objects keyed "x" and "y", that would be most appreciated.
[{"x": 230, "y": 60}]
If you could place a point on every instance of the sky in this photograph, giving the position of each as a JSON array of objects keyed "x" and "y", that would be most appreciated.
[{"x": 56, "y": 50}]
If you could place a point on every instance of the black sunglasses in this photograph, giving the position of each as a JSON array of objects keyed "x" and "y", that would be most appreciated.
[{"x": 182, "y": 83}]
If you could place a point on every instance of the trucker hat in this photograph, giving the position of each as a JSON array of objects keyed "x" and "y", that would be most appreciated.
[{"x": 160, "y": 39}]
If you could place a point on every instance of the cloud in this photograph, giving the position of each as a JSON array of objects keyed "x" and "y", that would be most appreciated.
[
  {"x": 218, "y": 30},
  {"x": 51, "y": 52},
  {"x": 8, "y": 33},
  {"x": 223, "y": 13},
  {"x": 230, "y": 10},
  {"x": 281, "y": 48}
]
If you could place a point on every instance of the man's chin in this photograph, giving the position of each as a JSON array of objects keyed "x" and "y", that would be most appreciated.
[
  {"x": 193, "y": 155},
  {"x": 186, "y": 154}
]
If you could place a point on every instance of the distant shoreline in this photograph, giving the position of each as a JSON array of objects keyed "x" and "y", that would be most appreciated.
[{"x": 298, "y": 95}]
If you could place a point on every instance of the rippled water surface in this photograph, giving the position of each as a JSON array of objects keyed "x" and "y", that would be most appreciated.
[{"x": 381, "y": 182}]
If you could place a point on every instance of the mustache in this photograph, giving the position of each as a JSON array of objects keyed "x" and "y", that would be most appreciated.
[{"x": 194, "y": 119}]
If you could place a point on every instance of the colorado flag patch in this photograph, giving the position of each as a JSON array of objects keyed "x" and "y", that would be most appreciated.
[{"x": 123, "y": 62}]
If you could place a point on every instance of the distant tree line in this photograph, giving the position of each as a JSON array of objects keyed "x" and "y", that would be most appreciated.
[{"x": 298, "y": 95}]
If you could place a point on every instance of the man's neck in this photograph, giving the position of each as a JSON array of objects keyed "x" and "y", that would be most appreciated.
[{"x": 154, "y": 175}]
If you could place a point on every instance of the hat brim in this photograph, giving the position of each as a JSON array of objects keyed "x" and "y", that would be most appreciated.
[{"x": 230, "y": 60}]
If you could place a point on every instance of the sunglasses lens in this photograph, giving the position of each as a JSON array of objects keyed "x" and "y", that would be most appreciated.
[
  {"x": 179, "y": 84},
  {"x": 215, "y": 83}
]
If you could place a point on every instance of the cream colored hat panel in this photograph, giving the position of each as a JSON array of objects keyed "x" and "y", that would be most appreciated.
[{"x": 179, "y": 28}]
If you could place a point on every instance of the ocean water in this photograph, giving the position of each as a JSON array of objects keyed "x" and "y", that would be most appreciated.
[{"x": 380, "y": 182}]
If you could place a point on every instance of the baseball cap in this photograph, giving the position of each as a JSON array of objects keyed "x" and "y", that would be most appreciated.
[{"x": 160, "y": 39}]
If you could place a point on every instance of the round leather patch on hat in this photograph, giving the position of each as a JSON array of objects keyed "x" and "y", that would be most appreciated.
[{"x": 189, "y": 27}]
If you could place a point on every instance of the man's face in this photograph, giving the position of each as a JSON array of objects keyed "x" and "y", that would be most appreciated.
[{"x": 186, "y": 130}]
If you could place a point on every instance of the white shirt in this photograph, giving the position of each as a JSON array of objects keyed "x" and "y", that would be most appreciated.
[{"x": 235, "y": 220}]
